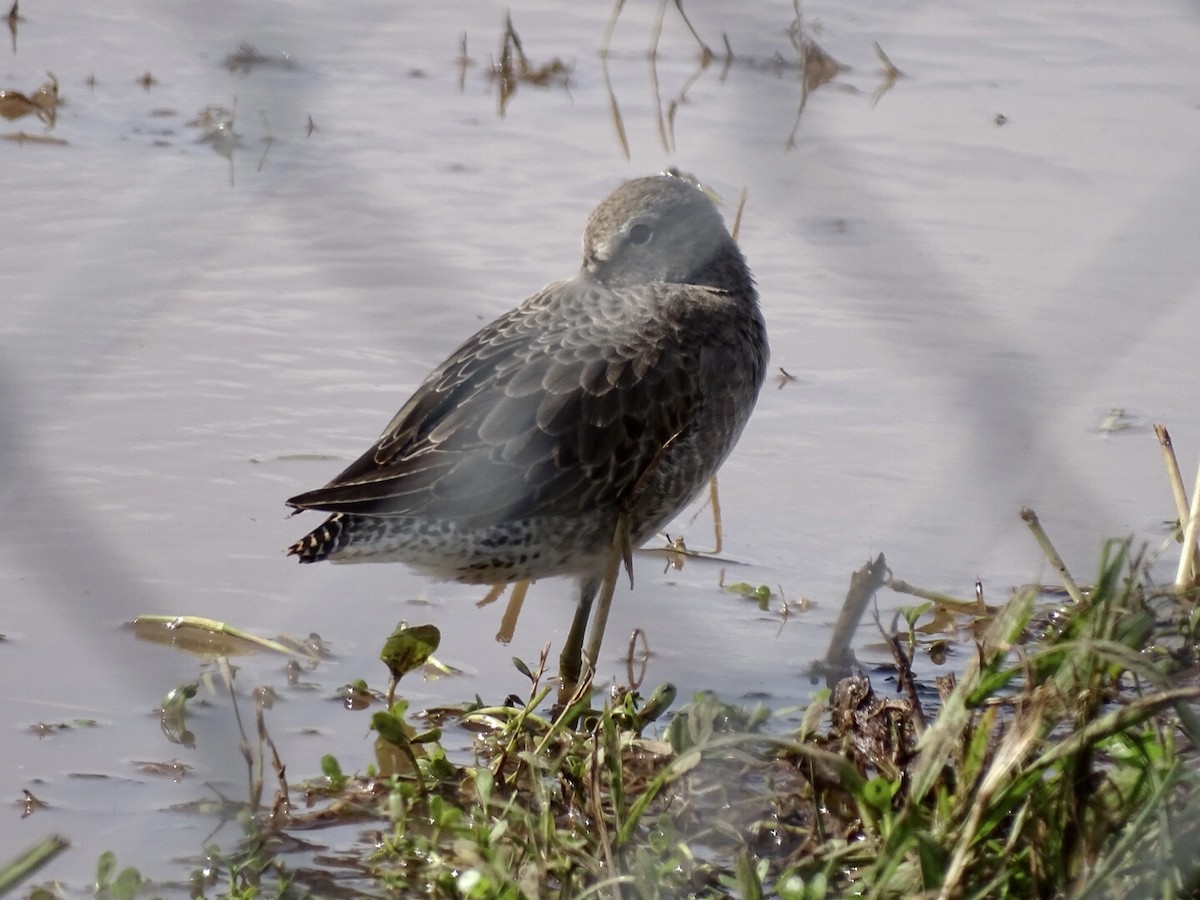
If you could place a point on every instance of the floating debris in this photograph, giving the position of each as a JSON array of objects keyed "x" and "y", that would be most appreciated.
[
  {"x": 247, "y": 58},
  {"x": 210, "y": 639},
  {"x": 515, "y": 68},
  {"x": 42, "y": 103},
  {"x": 1118, "y": 419},
  {"x": 172, "y": 768},
  {"x": 815, "y": 65}
]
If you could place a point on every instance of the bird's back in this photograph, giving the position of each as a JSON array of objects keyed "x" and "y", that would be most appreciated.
[{"x": 613, "y": 395}]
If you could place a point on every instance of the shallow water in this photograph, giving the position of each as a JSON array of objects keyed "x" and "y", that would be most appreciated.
[{"x": 187, "y": 331}]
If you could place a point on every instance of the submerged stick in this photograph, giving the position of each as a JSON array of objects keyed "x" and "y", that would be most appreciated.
[
  {"x": 863, "y": 585},
  {"x": 1043, "y": 540}
]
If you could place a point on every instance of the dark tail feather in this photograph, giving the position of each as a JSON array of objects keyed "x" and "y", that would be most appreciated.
[{"x": 321, "y": 542}]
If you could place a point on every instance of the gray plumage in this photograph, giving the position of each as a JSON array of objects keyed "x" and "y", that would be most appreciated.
[{"x": 615, "y": 393}]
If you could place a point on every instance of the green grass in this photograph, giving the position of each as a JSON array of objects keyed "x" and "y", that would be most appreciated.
[{"x": 1057, "y": 764}]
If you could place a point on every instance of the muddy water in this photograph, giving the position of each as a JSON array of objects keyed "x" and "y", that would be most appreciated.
[{"x": 964, "y": 273}]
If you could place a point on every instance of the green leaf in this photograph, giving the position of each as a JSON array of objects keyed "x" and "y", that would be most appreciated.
[
  {"x": 432, "y": 736},
  {"x": 519, "y": 665},
  {"x": 128, "y": 884},
  {"x": 749, "y": 881},
  {"x": 878, "y": 792},
  {"x": 484, "y": 783},
  {"x": 390, "y": 728},
  {"x": 106, "y": 865},
  {"x": 912, "y": 613},
  {"x": 658, "y": 703},
  {"x": 333, "y": 771},
  {"x": 408, "y": 647}
]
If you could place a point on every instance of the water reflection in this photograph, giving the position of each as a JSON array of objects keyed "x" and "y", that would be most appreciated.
[{"x": 12, "y": 20}]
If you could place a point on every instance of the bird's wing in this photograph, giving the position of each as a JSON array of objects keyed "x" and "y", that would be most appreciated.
[{"x": 559, "y": 405}]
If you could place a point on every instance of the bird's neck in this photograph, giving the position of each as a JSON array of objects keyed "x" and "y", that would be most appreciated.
[{"x": 725, "y": 270}]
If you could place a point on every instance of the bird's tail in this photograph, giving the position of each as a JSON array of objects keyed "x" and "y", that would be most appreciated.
[{"x": 322, "y": 542}]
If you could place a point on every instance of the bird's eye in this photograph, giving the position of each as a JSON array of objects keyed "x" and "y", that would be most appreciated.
[{"x": 640, "y": 234}]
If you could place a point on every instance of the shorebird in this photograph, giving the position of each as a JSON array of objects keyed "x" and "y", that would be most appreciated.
[{"x": 564, "y": 434}]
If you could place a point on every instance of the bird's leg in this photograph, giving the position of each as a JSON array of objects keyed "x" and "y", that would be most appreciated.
[
  {"x": 715, "y": 496},
  {"x": 493, "y": 595},
  {"x": 570, "y": 663},
  {"x": 508, "y": 624},
  {"x": 620, "y": 553}
]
